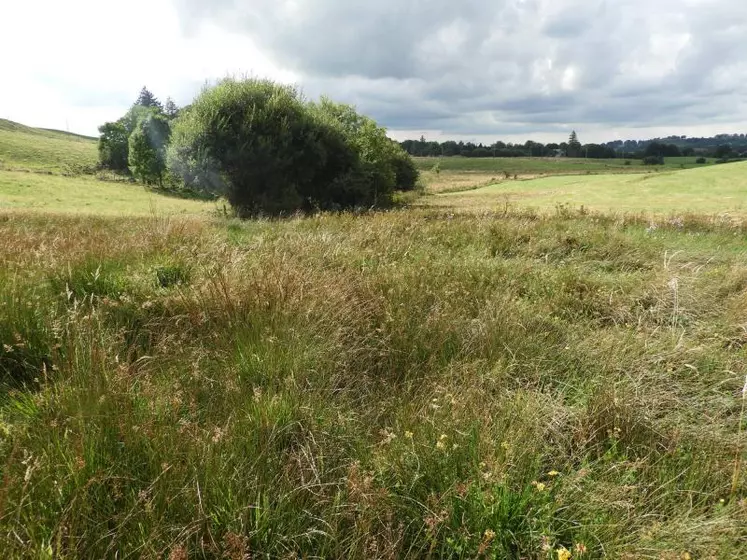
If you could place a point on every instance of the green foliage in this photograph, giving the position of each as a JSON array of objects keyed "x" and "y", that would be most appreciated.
[
  {"x": 653, "y": 160},
  {"x": 574, "y": 146},
  {"x": 170, "y": 109},
  {"x": 147, "y": 148},
  {"x": 406, "y": 174},
  {"x": 147, "y": 99},
  {"x": 659, "y": 149},
  {"x": 701, "y": 160},
  {"x": 115, "y": 139},
  {"x": 723, "y": 151},
  {"x": 168, "y": 276},
  {"x": 26, "y": 339},
  {"x": 113, "y": 146},
  {"x": 268, "y": 151},
  {"x": 380, "y": 163}
]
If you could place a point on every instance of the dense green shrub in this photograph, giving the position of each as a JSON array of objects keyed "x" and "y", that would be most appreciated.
[
  {"x": 259, "y": 144},
  {"x": 113, "y": 148},
  {"x": 406, "y": 174},
  {"x": 653, "y": 160}
]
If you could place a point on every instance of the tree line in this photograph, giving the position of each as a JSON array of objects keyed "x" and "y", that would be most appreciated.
[
  {"x": 262, "y": 146},
  {"x": 721, "y": 147}
]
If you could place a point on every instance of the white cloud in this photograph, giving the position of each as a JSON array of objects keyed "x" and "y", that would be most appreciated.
[
  {"x": 79, "y": 63},
  {"x": 471, "y": 69}
]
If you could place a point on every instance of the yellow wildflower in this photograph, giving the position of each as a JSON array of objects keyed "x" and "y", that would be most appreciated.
[
  {"x": 563, "y": 553},
  {"x": 409, "y": 434},
  {"x": 540, "y": 486},
  {"x": 553, "y": 473}
]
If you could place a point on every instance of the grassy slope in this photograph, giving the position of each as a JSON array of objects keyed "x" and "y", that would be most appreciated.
[
  {"x": 713, "y": 189},
  {"x": 407, "y": 384},
  {"x": 87, "y": 195},
  {"x": 37, "y": 149},
  {"x": 40, "y": 172}
]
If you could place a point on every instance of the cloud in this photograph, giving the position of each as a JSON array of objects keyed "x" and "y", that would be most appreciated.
[
  {"x": 84, "y": 61},
  {"x": 522, "y": 66},
  {"x": 468, "y": 68}
]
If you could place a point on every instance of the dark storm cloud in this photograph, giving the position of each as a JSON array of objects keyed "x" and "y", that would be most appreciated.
[{"x": 508, "y": 65}]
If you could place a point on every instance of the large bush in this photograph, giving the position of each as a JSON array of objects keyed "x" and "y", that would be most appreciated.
[{"x": 262, "y": 146}]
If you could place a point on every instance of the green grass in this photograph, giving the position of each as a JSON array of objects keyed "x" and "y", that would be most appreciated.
[
  {"x": 548, "y": 166},
  {"x": 38, "y": 149},
  {"x": 411, "y": 384},
  {"x": 36, "y": 192},
  {"x": 710, "y": 190},
  {"x": 420, "y": 383}
]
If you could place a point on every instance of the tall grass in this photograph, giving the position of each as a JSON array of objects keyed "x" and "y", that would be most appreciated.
[{"x": 404, "y": 385}]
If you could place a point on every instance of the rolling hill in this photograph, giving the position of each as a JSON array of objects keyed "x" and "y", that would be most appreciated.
[
  {"x": 39, "y": 149},
  {"x": 51, "y": 171}
]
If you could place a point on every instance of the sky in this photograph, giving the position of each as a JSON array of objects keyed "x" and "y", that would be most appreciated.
[{"x": 507, "y": 70}]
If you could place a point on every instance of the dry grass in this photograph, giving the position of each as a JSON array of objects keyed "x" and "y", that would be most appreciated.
[{"x": 398, "y": 385}]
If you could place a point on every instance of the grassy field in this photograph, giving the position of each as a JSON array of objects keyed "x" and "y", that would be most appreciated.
[
  {"x": 458, "y": 174},
  {"x": 37, "y": 192},
  {"x": 402, "y": 385},
  {"x": 51, "y": 171},
  {"x": 709, "y": 190},
  {"x": 420, "y": 383},
  {"x": 37, "y": 149},
  {"x": 548, "y": 166}
]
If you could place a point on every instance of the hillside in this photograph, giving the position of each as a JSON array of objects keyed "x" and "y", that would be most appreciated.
[
  {"x": 712, "y": 189},
  {"x": 44, "y": 170},
  {"x": 38, "y": 149},
  {"x": 87, "y": 195}
]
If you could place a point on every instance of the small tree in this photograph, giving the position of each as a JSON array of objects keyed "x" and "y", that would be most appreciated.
[
  {"x": 113, "y": 146},
  {"x": 147, "y": 148}
]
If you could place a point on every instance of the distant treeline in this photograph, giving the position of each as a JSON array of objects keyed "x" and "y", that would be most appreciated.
[{"x": 722, "y": 146}]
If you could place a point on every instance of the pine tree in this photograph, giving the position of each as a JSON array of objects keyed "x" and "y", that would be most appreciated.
[
  {"x": 147, "y": 99},
  {"x": 170, "y": 109},
  {"x": 574, "y": 146}
]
